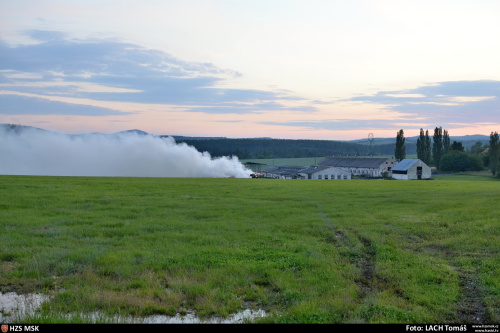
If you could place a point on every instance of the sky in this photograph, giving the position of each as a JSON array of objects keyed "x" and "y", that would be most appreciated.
[{"x": 289, "y": 69}]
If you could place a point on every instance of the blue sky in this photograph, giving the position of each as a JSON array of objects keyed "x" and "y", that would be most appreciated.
[{"x": 285, "y": 69}]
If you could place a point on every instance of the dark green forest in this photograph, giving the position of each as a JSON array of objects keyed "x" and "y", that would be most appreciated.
[
  {"x": 287, "y": 148},
  {"x": 256, "y": 148}
]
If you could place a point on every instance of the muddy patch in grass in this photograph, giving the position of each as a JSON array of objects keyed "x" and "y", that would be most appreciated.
[
  {"x": 15, "y": 307},
  {"x": 471, "y": 308}
]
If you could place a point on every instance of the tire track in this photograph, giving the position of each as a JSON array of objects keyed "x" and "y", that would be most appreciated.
[
  {"x": 367, "y": 266},
  {"x": 471, "y": 309},
  {"x": 365, "y": 262}
]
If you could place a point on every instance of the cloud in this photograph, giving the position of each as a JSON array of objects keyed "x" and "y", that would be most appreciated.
[
  {"x": 126, "y": 73},
  {"x": 243, "y": 108},
  {"x": 44, "y": 35},
  {"x": 461, "y": 88},
  {"x": 345, "y": 124},
  {"x": 445, "y": 102},
  {"x": 98, "y": 58},
  {"x": 14, "y": 104}
]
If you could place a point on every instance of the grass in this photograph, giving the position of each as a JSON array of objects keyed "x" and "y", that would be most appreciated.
[
  {"x": 484, "y": 175},
  {"x": 305, "y": 251}
]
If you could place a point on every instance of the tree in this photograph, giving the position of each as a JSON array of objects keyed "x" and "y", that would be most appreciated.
[
  {"x": 457, "y": 146},
  {"x": 400, "y": 151},
  {"x": 446, "y": 142},
  {"x": 458, "y": 161},
  {"x": 477, "y": 148},
  {"x": 494, "y": 152},
  {"x": 421, "y": 145},
  {"x": 424, "y": 147},
  {"x": 427, "y": 156},
  {"x": 437, "y": 147}
]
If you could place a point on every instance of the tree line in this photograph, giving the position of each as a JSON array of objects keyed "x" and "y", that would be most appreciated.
[
  {"x": 447, "y": 156},
  {"x": 285, "y": 148}
]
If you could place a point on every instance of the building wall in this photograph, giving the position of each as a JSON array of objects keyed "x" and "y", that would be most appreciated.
[
  {"x": 330, "y": 173},
  {"x": 358, "y": 167},
  {"x": 399, "y": 177},
  {"x": 388, "y": 165},
  {"x": 374, "y": 172},
  {"x": 426, "y": 171},
  {"x": 366, "y": 172}
]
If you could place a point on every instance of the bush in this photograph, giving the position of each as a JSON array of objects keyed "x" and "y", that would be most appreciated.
[{"x": 460, "y": 161}]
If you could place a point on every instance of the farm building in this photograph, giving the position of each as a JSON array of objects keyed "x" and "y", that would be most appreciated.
[
  {"x": 283, "y": 171},
  {"x": 409, "y": 169},
  {"x": 360, "y": 166},
  {"x": 324, "y": 172},
  {"x": 311, "y": 172}
]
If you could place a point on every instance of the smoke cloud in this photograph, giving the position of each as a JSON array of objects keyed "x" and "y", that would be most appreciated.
[{"x": 33, "y": 151}]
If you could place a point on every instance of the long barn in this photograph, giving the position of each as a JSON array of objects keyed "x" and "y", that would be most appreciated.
[
  {"x": 360, "y": 166},
  {"x": 324, "y": 172}
]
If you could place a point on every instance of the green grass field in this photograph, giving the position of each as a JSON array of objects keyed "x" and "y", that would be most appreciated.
[{"x": 306, "y": 251}]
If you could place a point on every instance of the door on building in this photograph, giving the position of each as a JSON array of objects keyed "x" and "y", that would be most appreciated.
[{"x": 419, "y": 172}]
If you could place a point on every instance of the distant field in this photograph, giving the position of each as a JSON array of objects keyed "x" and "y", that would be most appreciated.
[
  {"x": 305, "y": 251},
  {"x": 305, "y": 161},
  {"x": 270, "y": 162},
  {"x": 484, "y": 175}
]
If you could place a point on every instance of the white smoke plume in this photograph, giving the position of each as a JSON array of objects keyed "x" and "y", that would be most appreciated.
[{"x": 32, "y": 151}]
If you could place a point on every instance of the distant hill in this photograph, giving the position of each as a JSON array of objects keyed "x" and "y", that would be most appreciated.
[
  {"x": 475, "y": 137},
  {"x": 181, "y": 138},
  {"x": 411, "y": 142},
  {"x": 134, "y": 131},
  {"x": 20, "y": 128}
]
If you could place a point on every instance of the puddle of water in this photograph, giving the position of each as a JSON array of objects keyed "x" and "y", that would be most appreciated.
[
  {"x": 14, "y": 307},
  {"x": 190, "y": 318}
]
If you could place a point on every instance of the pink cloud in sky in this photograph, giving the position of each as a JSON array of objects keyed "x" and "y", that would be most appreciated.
[{"x": 105, "y": 85}]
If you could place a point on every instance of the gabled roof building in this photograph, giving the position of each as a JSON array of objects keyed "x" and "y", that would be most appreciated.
[
  {"x": 361, "y": 166},
  {"x": 409, "y": 169}
]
